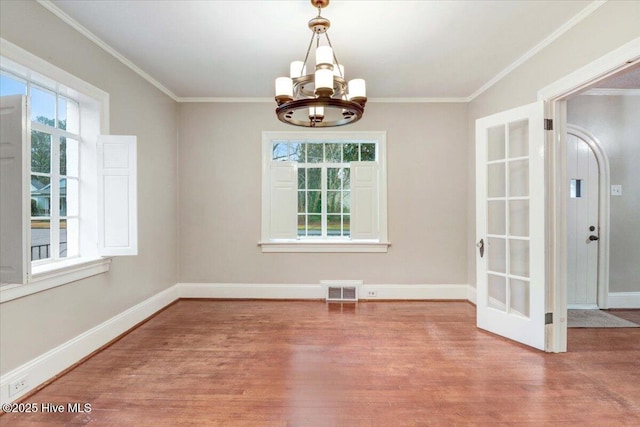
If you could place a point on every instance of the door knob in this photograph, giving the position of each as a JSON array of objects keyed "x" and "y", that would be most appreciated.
[
  {"x": 480, "y": 246},
  {"x": 594, "y": 238}
]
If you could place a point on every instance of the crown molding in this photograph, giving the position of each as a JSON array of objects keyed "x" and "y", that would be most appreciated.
[
  {"x": 417, "y": 100},
  {"x": 47, "y": 4},
  {"x": 186, "y": 99},
  {"x": 537, "y": 48},
  {"x": 215, "y": 99}
]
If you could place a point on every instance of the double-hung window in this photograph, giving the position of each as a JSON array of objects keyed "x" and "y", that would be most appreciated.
[
  {"x": 324, "y": 192},
  {"x": 54, "y": 173},
  {"x": 68, "y": 194}
]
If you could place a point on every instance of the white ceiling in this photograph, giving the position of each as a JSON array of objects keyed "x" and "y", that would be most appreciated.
[{"x": 404, "y": 49}]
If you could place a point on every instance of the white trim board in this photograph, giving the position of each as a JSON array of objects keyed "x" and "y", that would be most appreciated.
[
  {"x": 53, "y": 362},
  {"x": 317, "y": 291},
  {"x": 612, "y": 92},
  {"x": 46, "y": 366},
  {"x": 624, "y": 299}
]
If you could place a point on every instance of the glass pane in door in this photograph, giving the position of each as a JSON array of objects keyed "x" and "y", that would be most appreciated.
[
  {"x": 519, "y": 139},
  {"x": 495, "y": 143},
  {"x": 496, "y": 218},
  {"x": 495, "y": 177},
  {"x": 519, "y": 257},
  {"x": 519, "y": 218},
  {"x": 497, "y": 292},
  {"x": 496, "y": 253},
  {"x": 519, "y": 297},
  {"x": 519, "y": 178}
]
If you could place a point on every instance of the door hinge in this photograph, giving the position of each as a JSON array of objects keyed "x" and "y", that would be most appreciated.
[
  {"x": 548, "y": 318},
  {"x": 548, "y": 124}
]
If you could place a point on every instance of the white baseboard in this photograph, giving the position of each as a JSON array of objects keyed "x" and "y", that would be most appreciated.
[
  {"x": 56, "y": 360},
  {"x": 250, "y": 291},
  {"x": 415, "y": 292},
  {"x": 53, "y": 362},
  {"x": 317, "y": 291},
  {"x": 624, "y": 299},
  {"x": 472, "y": 294},
  {"x": 582, "y": 306}
]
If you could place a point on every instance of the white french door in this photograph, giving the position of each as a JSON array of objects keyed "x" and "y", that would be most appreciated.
[{"x": 510, "y": 224}]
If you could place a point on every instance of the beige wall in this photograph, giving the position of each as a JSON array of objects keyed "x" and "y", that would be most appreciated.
[
  {"x": 37, "y": 323},
  {"x": 220, "y": 193},
  {"x": 615, "y": 122},
  {"x": 609, "y": 27}
]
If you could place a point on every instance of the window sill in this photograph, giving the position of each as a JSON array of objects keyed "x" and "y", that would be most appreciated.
[
  {"x": 49, "y": 276},
  {"x": 364, "y": 246}
]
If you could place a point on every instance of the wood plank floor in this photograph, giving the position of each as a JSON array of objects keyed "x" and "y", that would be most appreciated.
[{"x": 298, "y": 363}]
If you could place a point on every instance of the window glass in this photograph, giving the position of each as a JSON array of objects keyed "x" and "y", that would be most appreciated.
[
  {"x": 40, "y": 239},
  {"x": 69, "y": 238},
  {"x": 69, "y": 197},
  {"x": 68, "y": 115},
  {"x": 10, "y": 85},
  {"x": 333, "y": 153},
  {"x": 315, "y": 225},
  {"x": 40, "y": 152},
  {"x": 280, "y": 151},
  {"x": 69, "y": 156},
  {"x": 334, "y": 201},
  {"x": 368, "y": 152},
  {"x": 296, "y": 152},
  {"x": 351, "y": 152},
  {"x": 314, "y": 202},
  {"x": 314, "y": 153},
  {"x": 314, "y": 178},
  {"x": 40, "y": 195},
  {"x": 43, "y": 106}
]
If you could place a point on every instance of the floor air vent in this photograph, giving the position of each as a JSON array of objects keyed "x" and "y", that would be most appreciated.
[{"x": 342, "y": 293}]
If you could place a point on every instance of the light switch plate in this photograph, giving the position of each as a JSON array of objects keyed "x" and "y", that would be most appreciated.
[{"x": 616, "y": 190}]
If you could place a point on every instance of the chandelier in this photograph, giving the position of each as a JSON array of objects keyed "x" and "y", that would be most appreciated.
[{"x": 322, "y": 98}]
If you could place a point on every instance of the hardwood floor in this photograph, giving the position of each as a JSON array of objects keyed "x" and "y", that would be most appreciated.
[
  {"x": 297, "y": 363},
  {"x": 632, "y": 315}
]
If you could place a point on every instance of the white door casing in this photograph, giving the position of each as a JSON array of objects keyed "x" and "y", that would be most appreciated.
[
  {"x": 583, "y": 225},
  {"x": 510, "y": 224},
  {"x": 13, "y": 190}
]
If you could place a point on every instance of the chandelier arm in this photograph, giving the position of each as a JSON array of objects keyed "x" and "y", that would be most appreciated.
[
  {"x": 304, "y": 63},
  {"x": 335, "y": 58}
]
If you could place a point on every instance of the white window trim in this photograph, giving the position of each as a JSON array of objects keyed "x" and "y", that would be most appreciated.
[
  {"x": 49, "y": 276},
  {"x": 95, "y": 104},
  {"x": 269, "y": 245}
]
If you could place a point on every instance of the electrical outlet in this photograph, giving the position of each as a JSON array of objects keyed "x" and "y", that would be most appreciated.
[
  {"x": 372, "y": 293},
  {"x": 17, "y": 386}
]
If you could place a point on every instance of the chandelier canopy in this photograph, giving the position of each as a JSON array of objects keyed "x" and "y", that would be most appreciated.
[{"x": 322, "y": 98}]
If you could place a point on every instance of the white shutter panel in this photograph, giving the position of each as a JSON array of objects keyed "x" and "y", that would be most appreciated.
[
  {"x": 13, "y": 148},
  {"x": 364, "y": 201},
  {"x": 117, "y": 195},
  {"x": 283, "y": 200}
]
